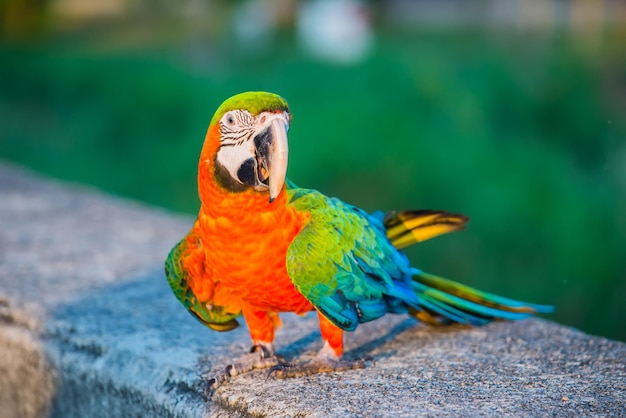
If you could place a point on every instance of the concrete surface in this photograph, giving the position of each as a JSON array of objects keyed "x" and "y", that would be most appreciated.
[{"x": 88, "y": 327}]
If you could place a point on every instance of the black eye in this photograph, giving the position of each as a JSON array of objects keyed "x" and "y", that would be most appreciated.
[{"x": 230, "y": 119}]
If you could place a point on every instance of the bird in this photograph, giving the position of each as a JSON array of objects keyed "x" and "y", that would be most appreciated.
[{"x": 261, "y": 245}]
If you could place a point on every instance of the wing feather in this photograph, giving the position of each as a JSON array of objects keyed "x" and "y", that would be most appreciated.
[
  {"x": 342, "y": 261},
  {"x": 178, "y": 276}
]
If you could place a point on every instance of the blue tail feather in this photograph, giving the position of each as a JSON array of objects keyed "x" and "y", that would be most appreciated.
[{"x": 463, "y": 304}]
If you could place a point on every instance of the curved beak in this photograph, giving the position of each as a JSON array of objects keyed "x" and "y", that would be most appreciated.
[{"x": 272, "y": 150}]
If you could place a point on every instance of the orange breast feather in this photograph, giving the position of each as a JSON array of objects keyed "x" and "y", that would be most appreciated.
[{"x": 244, "y": 240}]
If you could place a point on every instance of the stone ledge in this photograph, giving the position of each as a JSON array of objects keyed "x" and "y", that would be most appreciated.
[{"x": 89, "y": 327}]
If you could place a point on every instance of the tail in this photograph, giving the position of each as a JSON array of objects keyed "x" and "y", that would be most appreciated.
[
  {"x": 443, "y": 301},
  {"x": 412, "y": 226},
  {"x": 439, "y": 300}
]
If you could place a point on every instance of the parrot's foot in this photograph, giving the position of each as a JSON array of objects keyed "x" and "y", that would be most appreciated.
[
  {"x": 317, "y": 365},
  {"x": 260, "y": 357}
]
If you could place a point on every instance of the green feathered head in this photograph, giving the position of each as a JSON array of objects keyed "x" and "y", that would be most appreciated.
[
  {"x": 252, "y": 150},
  {"x": 255, "y": 102}
]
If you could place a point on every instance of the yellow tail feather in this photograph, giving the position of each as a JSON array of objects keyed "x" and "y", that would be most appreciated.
[{"x": 409, "y": 227}]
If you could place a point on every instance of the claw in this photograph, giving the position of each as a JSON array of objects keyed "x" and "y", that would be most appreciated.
[
  {"x": 317, "y": 365},
  {"x": 278, "y": 367},
  {"x": 259, "y": 357},
  {"x": 217, "y": 381},
  {"x": 264, "y": 352},
  {"x": 208, "y": 392}
]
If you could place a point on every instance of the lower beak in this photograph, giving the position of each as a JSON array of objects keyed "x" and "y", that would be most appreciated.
[{"x": 273, "y": 152}]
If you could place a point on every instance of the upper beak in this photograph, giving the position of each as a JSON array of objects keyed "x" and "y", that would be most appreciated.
[{"x": 273, "y": 150}]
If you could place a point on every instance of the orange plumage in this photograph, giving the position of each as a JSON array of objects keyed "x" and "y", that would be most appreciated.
[{"x": 245, "y": 242}]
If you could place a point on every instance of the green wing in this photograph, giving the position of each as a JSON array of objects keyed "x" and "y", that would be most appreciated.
[
  {"x": 212, "y": 316},
  {"x": 343, "y": 263}
]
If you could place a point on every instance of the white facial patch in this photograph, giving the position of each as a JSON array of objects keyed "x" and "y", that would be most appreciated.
[
  {"x": 236, "y": 128},
  {"x": 238, "y": 152},
  {"x": 232, "y": 157}
]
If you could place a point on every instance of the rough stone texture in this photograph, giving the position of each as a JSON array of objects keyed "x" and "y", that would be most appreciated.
[
  {"x": 22, "y": 360},
  {"x": 89, "y": 327}
]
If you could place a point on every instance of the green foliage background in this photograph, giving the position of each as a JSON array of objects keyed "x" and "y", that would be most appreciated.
[{"x": 523, "y": 133}]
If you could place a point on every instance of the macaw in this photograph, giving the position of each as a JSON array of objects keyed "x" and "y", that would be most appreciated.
[{"x": 261, "y": 245}]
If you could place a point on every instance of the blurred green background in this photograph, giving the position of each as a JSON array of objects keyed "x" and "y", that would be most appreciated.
[{"x": 513, "y": 113}]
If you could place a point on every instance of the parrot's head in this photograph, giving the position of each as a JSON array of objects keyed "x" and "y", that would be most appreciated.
[{"x": 249, "y": 137}]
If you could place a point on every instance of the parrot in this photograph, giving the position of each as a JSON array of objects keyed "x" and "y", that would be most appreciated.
[{"x": 261, "y": 245}]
